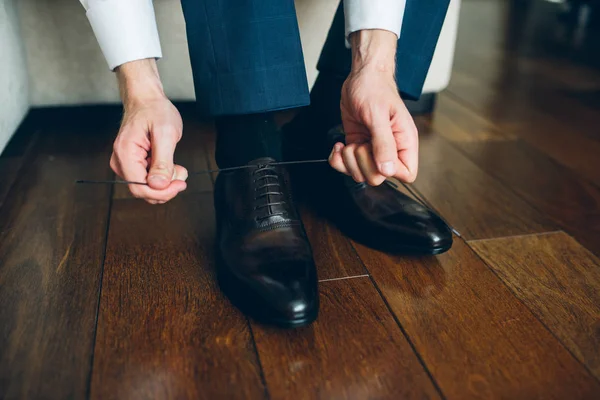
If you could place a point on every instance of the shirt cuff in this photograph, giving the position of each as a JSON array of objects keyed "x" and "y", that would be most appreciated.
[
  {"x": 373, "y": 14},
  {"x": 125, "y": 29}
]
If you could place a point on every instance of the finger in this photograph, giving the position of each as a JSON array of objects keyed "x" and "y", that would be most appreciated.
[
  {"x": 133, "y": 167},
  {"x": 407, "y": 171},
  {"x": 385, "y": 152},
  {"x": 161, "y": 171},
  {"x": 409, "y": 156},
  {"x": 115, "y": 165},
  {"x": 180, "y": 173},
  {"x": 351, "y": 163},
  {"x": 154, "y": 196},
  {"x": 335, "y": 159},
  {"x": 366, "y": 163}
]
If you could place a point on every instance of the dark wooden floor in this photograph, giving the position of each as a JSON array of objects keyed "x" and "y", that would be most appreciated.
[{"x": 103, "y": 296}]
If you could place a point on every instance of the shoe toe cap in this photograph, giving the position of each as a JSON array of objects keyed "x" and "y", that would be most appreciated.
[
  {"x": 425, "y": 230},
  {"x": 283, "y": 293},
  {"x": 294, "y": 294}
]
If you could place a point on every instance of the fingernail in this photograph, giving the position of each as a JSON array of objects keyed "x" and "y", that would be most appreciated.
[
  {"x": 157, "y": 178},
  {"x": 337, "y": 147},
  {"x": 387, "y": 168}
]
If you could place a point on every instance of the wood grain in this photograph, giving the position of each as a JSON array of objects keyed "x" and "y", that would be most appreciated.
[
  {"x": 559, "y": 281},
  {"x": 52, "y": 237},
  {"x": 569, "y": 202},
  {"x": 355, "y": 350},
  {"x": 524, "y": 95},
  {"x": 472, "y": 201},
  {"x": 460, "y": 124},
  {"x": 475, "y": 337},
  {"x": 164, "y": 328},
  {"x": 553, "y": 137},
  {"x": 572, "y": 204},
  {"x": 334, "y": 256}
]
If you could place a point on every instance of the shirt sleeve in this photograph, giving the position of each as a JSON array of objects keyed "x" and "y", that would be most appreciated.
[
  {"x": 373, "y": 14},
  {"x": 125, "y": 29}
]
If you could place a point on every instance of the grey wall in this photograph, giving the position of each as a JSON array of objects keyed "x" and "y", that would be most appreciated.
[
  {"x": 14, "y": 98},
  {"x": 66, "y": 65}
]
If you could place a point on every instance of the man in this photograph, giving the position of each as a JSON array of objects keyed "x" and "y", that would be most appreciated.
[{"x": 247, "y": 64}]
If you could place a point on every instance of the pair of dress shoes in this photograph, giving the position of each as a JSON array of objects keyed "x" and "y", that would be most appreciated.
[{"x": 265, "y": 262}]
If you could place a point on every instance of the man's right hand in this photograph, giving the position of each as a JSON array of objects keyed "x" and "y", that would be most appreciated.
[{"x": 150, "y": 130}]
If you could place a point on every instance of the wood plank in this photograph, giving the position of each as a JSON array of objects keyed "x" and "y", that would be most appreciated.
[
  {"x": 459, "y": 124},
  {"x": 355, "y": 350},
  {"x": 559, "y": 281},
  {"x": 164, "y": 328},
  {"x": 52, "y": 236},
  {"x": 571, "y": 203},
  {"x": 541, "y": 85},
  {"x": 554, "y": 137},
  {"x": 475, "y": 337},
  {"x": 472, "y": 201},
  {"x": 523, "y": 95},
  {"x": 334, "y": 256}
]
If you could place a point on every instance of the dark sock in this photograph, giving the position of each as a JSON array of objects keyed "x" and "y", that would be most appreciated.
[
  {"x": 325, "y": 99},
  {"x": 243, "y": 138},
  {"x": 307, "y": 132}
]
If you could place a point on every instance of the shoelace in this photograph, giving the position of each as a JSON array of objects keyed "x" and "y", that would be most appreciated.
[
  {"x": 417, "y": 197},
  {"x": 267, "y": 178},
  {"x": 207, "y": 171}
]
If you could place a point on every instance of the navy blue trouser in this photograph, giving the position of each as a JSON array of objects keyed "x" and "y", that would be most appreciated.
[{"x": 247, "y": 57}]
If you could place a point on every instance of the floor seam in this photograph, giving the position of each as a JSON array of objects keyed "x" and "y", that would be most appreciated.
[
  {"x": 403, "y": 331},
  {"x": 344, "y": 277},
  {"x": 524, "y": 235},
  {"x": 101, "y": 281},
  {"x": 534, "y": 314}
]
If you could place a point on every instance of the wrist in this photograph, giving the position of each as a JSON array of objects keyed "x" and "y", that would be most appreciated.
[
  {"x": 374, "y": 49},
  {"x": 139, "y": 82}
]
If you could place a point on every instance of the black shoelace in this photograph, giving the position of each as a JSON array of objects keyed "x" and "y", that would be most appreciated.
[
  {"x": 269, "y": 203},
  {"x": 207, "y": 171},
  {"x": 268, "y": 192}
]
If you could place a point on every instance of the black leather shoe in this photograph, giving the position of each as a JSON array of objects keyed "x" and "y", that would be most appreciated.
[
  {"x": 380, "y": 217},
  {"x": 385, "y": 219},
  {"x": 266, "y": 266}
]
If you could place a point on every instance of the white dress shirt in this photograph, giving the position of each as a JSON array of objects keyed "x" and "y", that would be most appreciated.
[{"x": 126, "y": 29}]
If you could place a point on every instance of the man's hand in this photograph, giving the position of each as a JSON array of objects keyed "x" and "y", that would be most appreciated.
[
  {"x": 151, "y": 127},
  {"x": 381, "y": 137}
]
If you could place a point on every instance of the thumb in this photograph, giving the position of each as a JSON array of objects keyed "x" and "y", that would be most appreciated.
[
  {"x": 385, "y": 152},
  {"x": 162, "y": 169}
]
